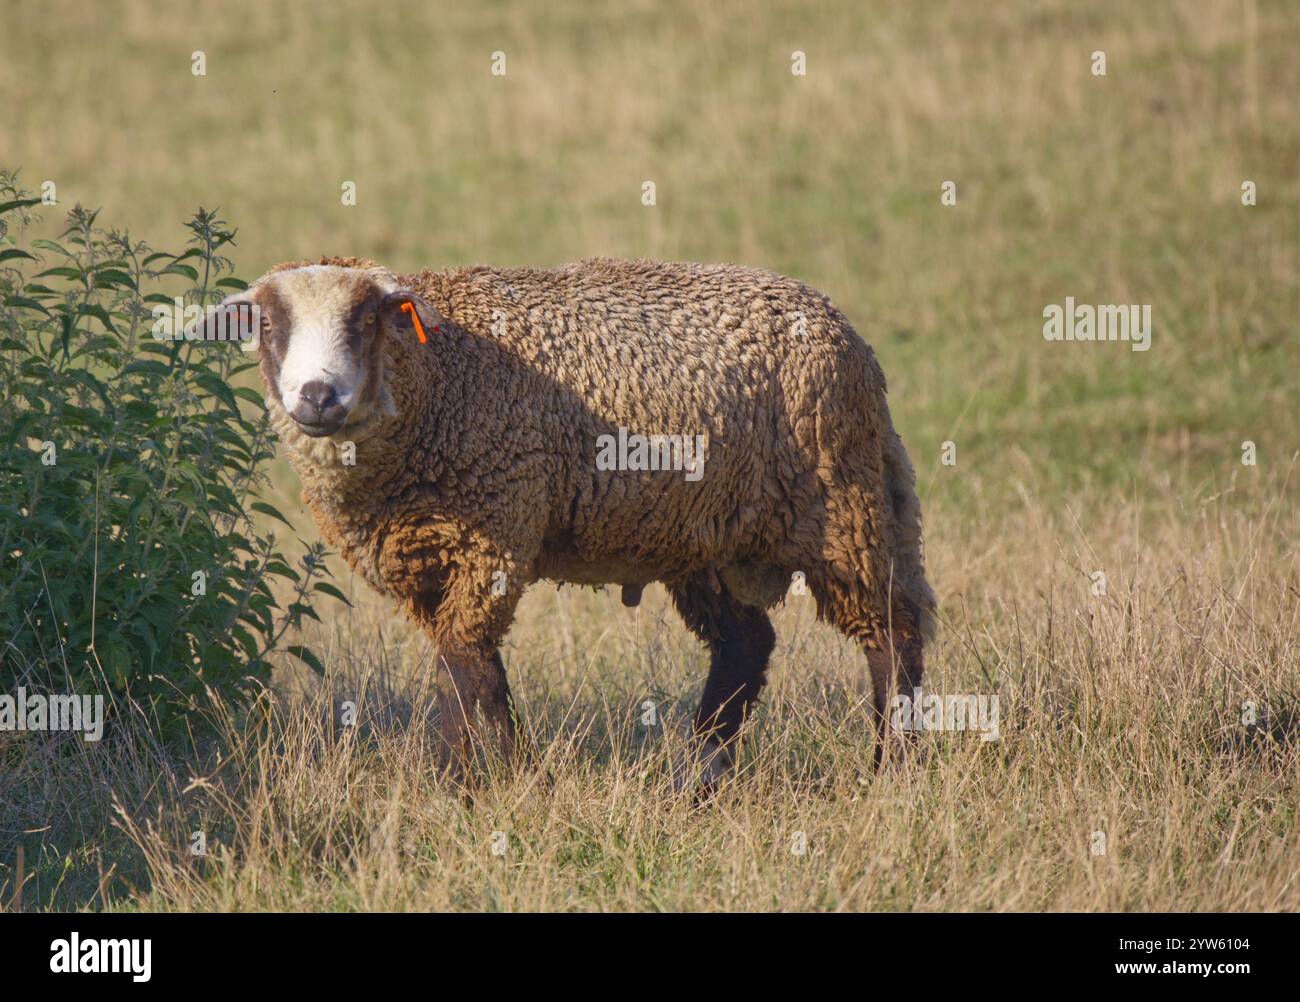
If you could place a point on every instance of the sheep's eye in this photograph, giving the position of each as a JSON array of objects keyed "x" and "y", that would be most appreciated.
[{"x": 370, "y": 319}]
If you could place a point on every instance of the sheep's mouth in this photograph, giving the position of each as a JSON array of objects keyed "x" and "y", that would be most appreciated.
[
  {"x": 318, "y": 430},
  {"x": 352, "y": 423}
]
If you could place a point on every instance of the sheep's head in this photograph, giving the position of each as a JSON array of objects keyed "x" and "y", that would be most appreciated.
[{"x": 322, "y": 334}]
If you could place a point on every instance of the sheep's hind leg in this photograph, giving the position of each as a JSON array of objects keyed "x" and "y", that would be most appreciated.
[
  {"x": 889, "y": 662},
  {"x": 740, "y": 639},
  {"x": 892, "y": 645}
]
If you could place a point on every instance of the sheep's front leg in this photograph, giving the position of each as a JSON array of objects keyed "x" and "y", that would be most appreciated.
[
  {"x": 476, "y": 715},
  {"x": 477, "y": 718}
]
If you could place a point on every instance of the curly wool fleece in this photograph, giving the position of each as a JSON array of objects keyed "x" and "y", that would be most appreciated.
[{"x": 478, "y": 457}]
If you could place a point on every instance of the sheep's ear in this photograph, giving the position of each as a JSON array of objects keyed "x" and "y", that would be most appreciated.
[
  {"x": 396, "y": 309},
  {"x": 236, "y": 318},
  {"x": 384, "y": 278}
]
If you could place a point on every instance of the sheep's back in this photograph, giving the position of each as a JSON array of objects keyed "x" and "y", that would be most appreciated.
[{"x": 756, "y": 362}]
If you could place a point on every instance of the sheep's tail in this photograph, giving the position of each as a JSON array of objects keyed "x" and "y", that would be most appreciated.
[{"x": 909, "y": 580}]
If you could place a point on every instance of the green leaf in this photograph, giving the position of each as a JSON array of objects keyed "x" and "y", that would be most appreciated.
[
  {"x": 17, "y": 203},
  {"x": 266, "y": 509},
  {"x": 251, "y": 395},
  {"x": 328, "y": 589},
  {"x": 308, "y": 658},
  {"x": 50, "y": 245},
  {"x": 98, "y": 312},
  {"x": 22, "y": 302},
  {"x": 112, "y": 277}
]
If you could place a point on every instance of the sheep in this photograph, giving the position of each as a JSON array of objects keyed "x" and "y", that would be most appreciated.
[{"x": 478, "y": 400}]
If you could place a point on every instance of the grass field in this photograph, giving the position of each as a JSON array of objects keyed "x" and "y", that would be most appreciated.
[{"x": 1122, "y": 719}]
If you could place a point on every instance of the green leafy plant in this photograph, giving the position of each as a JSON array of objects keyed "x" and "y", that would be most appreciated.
[{"x": 130, "y": 561}]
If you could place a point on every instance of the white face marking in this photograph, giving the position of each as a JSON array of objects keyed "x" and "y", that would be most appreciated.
[{"x": 320, "y": 298}]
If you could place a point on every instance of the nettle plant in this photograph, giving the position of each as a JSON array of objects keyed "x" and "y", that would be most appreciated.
[{"x": 131, "y": 563}]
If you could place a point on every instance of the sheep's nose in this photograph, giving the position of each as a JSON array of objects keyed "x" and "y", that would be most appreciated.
[
  {"x": 317, "y": 395},
  {"x": 318, "y": 407}
]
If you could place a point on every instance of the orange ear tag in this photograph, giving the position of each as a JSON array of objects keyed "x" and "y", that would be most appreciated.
[{"x": 409, "y": 307}]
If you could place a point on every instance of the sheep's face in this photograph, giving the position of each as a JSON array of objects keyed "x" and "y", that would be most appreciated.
[
  {"x": 321, "y": 343},
  {"x": 321, "y": 340}
]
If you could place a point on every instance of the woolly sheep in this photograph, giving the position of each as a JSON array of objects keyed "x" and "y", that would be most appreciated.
[{"x": 477, "y": 465}]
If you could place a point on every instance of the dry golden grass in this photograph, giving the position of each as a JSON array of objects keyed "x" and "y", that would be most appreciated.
[{"x": 1120, "y": 713}]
